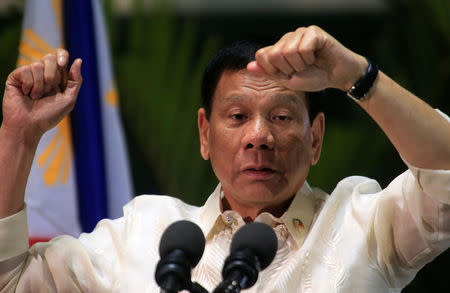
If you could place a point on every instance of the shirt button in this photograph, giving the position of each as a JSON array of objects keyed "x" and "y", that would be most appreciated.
[
  {"x": 228, "y": 219},
  {"x": 298, "y": 224}
]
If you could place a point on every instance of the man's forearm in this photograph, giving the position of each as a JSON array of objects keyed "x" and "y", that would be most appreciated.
[
  {"x": 418, "y": 132},
  {"x": 16, "y": 157},
  {"x": 318, "y": 61}
]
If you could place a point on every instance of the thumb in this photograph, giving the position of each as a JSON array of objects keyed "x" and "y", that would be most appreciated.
[
  {"x": 253, "y": 66},
  {"x": 74, "y": 78}
]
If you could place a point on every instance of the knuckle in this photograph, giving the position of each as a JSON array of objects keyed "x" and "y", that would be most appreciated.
[
  {"x": 287, "y": 35},
  {"x": 290, "y": 51},
  {"x": 259, "y": 54},
  {"x": 262, "y": 52},
  {"x": 274, "y": 55},
  {"x": 300, "y": 29},
  {"x": 62, "y": 51},
  {"x": 36, "y": 66},
  {"x": 314, "y": 30},
  {"x": 313, "y": 27}
]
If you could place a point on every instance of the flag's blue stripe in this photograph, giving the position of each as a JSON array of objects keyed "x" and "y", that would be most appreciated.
[{"x": 86, "y": 119}]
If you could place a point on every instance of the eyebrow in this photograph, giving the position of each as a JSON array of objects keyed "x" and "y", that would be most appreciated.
[
  {"x": 234, "y": 98},
  {"x": 289, "y": 98}
]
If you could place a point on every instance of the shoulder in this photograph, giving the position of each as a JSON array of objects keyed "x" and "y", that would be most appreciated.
[
  {"x": 356, "y": 185},
  {"x": 164, "y": 205},
  {"x": 350, "y": 191}
]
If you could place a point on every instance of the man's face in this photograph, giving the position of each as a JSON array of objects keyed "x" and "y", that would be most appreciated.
[{"x": 259, "y": 139}]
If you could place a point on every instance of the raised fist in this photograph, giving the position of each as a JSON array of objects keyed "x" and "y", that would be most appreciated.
[
  {"x": 309, "y": 59},
  {"x": 39, "y": 95}
]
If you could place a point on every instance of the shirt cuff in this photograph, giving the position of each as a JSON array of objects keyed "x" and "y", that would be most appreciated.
[
  {"x": 13, "y": 235},
  {"x": 435, "y": 183}
]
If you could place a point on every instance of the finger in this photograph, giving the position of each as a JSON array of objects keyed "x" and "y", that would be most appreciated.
[
  {"x": 277, "y": 59},
  {"x": 55, "y": 88},
  {"x": 313, "y": 40},
  {"x": 25, "y": 79},
  {"x": 291, "y": 53},
  {"x": 262, "y": 58},
  {"x": 75, "y": 71},
  {"x": 255, "y": 67},
  {"x": 74, "y": 79},
  {"x": 63, "y": 57},
  {"x": 74, "y": 82},
  {"x": 50, "y": 71},
  {"x": 37, "y": 70}
]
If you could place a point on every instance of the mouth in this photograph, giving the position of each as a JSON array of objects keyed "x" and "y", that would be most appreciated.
[{"x": 259, "y": 173}]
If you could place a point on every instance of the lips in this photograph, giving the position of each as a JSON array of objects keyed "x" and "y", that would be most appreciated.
[{"x": 259, "y": 172}]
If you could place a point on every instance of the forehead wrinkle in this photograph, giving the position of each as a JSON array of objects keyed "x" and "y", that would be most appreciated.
[
  {"x": 260, "y": 85},
  {"x": 263, "y": 86},
  {"x": 284, "y": 98}
]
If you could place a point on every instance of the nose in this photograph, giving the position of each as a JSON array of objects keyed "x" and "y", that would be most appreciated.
[{"x": 258, "y": 135}]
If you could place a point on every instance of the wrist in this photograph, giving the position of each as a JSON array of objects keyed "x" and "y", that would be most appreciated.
[
  {"x": 356, "y": 71},
  {"x": 16, "y": 137},
  {"x": 360, "y": 90}
]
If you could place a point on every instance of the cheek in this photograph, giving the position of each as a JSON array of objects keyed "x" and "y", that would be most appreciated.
[
  {"x": 223, "y": 149},
  {"x": 295, "y": 149}
]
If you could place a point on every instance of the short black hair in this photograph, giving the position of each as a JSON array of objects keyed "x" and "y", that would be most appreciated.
[{"x": 235, "y": 57}]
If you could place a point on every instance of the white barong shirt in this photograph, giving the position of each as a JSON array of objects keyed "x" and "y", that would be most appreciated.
[{"x": 358, "y": 239}]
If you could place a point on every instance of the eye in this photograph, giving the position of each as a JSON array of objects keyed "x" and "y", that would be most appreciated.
[
  {"x": 238, "y": 116},
  {"x": 282, "y": 118}
]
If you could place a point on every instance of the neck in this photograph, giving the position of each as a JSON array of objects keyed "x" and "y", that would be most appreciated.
[{"x": 250, "y": 212}]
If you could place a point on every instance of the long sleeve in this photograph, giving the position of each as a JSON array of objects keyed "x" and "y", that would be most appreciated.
[
  {"x": 118, "y": 256},
  {"x": 410, "y": 224},
  {"x": 65, "y": 264}
]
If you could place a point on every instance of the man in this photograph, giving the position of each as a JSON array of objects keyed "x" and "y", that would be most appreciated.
[{"x": 256, "y": 130}]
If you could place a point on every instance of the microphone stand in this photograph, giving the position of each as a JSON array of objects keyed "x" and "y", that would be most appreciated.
[
  {"x": 240, "y": 271},
  {"x": 197, "y": 288},
  {"x": 233, "y": 284},
  {"x": 228, "y": 286}
]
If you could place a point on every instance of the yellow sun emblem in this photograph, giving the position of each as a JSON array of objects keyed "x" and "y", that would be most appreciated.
[{"x": 56, "y": 158}]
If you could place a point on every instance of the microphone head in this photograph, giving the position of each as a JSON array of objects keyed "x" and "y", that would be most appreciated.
[
  {"x": 258, "y": 237},
  {"x": 186, "y": 236}
]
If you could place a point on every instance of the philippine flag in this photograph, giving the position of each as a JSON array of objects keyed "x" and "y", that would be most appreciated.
[{"x": 80, "y": 173}]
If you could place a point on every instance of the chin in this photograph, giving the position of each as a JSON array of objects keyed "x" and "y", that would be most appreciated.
[{"x": 261, "y": 193}]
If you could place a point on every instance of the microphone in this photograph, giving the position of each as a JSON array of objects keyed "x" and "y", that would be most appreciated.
[
  {"x": 253, "y": 248},
  {"x": 180, "y": 248}
]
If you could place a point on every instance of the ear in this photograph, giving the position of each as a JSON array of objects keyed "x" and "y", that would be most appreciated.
[
  {"x": 317, "y": 131},
  {"x": 203, "y": 130}
]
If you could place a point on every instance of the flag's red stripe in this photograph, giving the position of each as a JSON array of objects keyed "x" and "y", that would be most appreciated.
[{"x": 33, "y": 240}]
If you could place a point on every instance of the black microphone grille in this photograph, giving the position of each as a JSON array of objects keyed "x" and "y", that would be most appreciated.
[
  {"x": 186, "y": 236},
  {"x": 258, "y": 237}
]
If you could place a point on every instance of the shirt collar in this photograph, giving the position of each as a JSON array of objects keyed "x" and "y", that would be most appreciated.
[
  {"x": 211, "y": 211},
  {"x": 297, "y": 218},
  {"x": 300, "y": 214}
]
